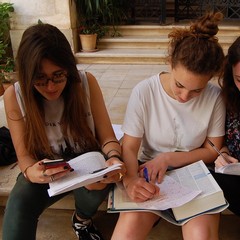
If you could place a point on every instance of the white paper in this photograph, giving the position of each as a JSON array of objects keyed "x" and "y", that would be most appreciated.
[
  {"x": 195, "y": 177},
  {"x": 231, "y": 169},
  {"x": 83, "y": 166},
  {"x": 118, "y": 131},
  {"x": 172, "y": 194}
]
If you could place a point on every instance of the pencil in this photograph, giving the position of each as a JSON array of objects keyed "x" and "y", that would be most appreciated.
[{"x": 217, "y": 150}]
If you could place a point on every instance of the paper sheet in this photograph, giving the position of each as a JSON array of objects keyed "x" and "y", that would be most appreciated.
[
  {"x": 172, "y": 194},
  {"x": 230, "y": 169}
]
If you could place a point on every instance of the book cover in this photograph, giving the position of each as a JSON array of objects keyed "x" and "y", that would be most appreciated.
[
  {"x": 88, "y": 168},
  {"x": 195, "y": 177}
]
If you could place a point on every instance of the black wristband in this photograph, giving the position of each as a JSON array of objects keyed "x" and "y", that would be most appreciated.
[
  {"x": 115, "y": 156},
  {"x": 111, "y": 141},
  {"x": 226, "y": 153}
]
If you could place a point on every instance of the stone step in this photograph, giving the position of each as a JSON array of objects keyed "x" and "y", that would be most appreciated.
[
  {"x": 123, "y": 56},
  {"x": 225, "y": 29},
  {"x": 149, "y": 42},
  {"x": 145, "y": 44}
]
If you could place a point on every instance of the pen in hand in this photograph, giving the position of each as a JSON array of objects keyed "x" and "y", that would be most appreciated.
[
  {"x": 217, "y": 150},
  {"x": 145, "y": 174}
]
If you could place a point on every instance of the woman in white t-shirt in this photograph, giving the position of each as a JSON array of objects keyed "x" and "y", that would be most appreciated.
[{"x": 171, "y": 115}]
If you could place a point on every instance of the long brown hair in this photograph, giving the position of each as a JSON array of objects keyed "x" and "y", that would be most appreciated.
[
  {"x": 231, "y": 93},
  {"x": 197, "y": 47},
  {"x": 44, "y": 41}
]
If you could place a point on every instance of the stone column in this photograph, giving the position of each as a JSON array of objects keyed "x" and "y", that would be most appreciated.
[{"x": 60, "y": 13}]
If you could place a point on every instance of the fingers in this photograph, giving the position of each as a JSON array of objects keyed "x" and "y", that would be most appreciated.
[
  {"x": 153, "y": 174},
  {"x": 48, "y": 175},
  {"x": 220, "y": 161},
  {"x": 139, "y": 190},
  {"x": 117, "y": 177}
]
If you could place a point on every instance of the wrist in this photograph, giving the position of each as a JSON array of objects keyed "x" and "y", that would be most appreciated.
[
  {"x": 115, "y": 156},
  {"x": 225, "y": 152},
  {"x": 127, "y": 180},
  {"x": 25, "y": 174}
]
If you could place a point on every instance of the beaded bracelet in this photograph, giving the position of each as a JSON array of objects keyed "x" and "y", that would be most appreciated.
[
  {"x": 111, "y": 141},
  {"x": 115, "y": 156}
]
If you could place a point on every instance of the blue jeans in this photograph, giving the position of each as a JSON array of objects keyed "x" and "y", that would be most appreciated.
[{"x": 28, "y": 200}]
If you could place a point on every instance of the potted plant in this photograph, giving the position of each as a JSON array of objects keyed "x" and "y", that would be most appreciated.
[
  {"x": 89, "y": 34},
  {"x": 90, "y": 26},
  {"x": 95, "y": 15}
]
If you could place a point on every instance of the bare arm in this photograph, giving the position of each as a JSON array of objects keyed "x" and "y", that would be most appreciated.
[
  {"x": 103, "y": 127},
  {"x": 31, "y": 168},
  {"x": 136, "y": 186},
  {"x": 158, "y": 166},
  {"x": 220, "y": 161},
  {"x": 17, "y": 128}
]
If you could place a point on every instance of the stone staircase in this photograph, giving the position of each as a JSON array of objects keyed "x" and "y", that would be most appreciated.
[{"x": 145, "y": 44}]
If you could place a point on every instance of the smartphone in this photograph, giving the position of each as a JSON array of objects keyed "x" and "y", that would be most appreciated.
[{"x": 55, "y": 163}]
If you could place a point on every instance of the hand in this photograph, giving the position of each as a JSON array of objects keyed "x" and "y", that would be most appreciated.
[
  {"x": 156, "y": 168},
  {"x": 37, "y": 173},
  {"x": 139, "y": 190},
  {"x": 220, "y": 161},
  {"x": 117, "y": 175}
]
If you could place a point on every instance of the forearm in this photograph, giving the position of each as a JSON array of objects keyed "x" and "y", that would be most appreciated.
[
  {"x": 131, "y": 163},
  {"x": 179, "y": 159},
  {"x": 25, "y": 161},
  {"x": 112, "y": 148},
  {"x": 224, "y": 149}
]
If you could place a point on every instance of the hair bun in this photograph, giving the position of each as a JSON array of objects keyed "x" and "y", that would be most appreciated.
[{"x": 207, "y": 26}]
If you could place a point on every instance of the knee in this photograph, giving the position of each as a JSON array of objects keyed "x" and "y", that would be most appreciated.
[
  {"x": 204, "y": 227},
  {"x": 200, "y": 234},
  {"x": 134, "y": 226}
]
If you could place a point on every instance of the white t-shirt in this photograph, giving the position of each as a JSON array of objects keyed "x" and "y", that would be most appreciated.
[{"x": 165, "y": 125}]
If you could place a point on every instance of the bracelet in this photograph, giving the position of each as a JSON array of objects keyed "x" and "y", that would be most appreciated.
[
  {"x": 25, "y": 173},
  {"x": 111, "y": 141},
  {"x": 115, "y": 156},
  {"x": 226, "y": 153},
  {"x": 113, "y": 150}
]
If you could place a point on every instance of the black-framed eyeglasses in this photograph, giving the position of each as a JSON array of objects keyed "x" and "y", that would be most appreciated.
[{"x": 41, "y": 80}]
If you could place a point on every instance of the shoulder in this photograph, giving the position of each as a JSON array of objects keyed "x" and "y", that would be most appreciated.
[
  {"x": 9, "y": 94},
  {"x": 212, "y": 91},
  {"x": 87, "y": 78},
  {"x": 213, "y": 87},
  {"x": 147, "y": 84}
]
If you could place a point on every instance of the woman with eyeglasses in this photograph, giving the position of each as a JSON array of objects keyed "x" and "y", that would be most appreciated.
[
  {"x": 170, "y": 116},
  {"x": 54, "y": 111}
]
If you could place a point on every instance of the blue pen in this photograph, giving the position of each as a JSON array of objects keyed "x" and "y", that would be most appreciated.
[{"x": 145, "y": 174}]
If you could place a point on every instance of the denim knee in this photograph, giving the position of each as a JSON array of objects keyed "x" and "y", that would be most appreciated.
[{"x": 88, "y": 201}]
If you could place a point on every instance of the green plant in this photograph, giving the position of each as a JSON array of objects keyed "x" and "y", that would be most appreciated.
[
  {"x": 2, "y": 49},
  {"x": 9, "y": 66},
  {"x": 5, "y": 43},
  {"x": 95, "y": 15}
]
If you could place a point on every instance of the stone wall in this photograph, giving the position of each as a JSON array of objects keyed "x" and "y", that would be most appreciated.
[{"x": 60, "y": 13}]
